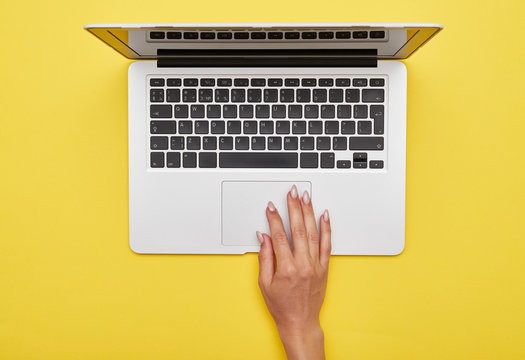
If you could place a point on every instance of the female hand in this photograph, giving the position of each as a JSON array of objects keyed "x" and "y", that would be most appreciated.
[{"x": 293, "y": 282}]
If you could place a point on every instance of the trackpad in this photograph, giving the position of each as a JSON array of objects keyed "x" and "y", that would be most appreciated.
[{"x": 244, "y": 208}]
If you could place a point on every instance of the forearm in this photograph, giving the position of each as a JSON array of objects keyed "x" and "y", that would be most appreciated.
[{"x": 304, "y": 344}]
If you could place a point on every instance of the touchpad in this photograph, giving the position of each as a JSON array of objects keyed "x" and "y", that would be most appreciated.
[{"x": 244, "y": 208}]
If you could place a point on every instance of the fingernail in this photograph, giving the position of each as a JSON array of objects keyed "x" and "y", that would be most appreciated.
[
  {"x": 271, "y": 206},
  {"x": 293, "y": 192},
  {"x": 306, "y": 197},
  {"x": 259, "y": 237},
  {"x": 326, "y": 217}
]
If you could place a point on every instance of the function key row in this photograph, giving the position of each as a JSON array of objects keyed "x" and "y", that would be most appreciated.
[
  {"x": 263, "y": 35},
  {"x": 258, "y": 82}
]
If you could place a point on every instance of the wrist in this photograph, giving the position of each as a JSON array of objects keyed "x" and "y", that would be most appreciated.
[{"x": 305, "y": 342}]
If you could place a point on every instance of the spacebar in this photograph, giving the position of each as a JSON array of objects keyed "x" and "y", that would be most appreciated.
[{"x": 257, "y": 160}]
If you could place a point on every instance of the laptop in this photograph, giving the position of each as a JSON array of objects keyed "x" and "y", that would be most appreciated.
[{"x": 224, "y": 117}]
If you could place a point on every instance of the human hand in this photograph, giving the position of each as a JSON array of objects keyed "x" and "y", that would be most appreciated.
[{"x": 293, "y": 282}]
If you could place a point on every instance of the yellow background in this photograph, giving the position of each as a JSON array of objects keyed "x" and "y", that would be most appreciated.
[{"x": 70, "y": 288}]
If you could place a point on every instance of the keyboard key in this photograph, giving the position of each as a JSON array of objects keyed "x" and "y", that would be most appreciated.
[
  {"x": 309, "y": 82},
  {"x": 327, "y": 111},
  {"x": 241, "y": 82},
  {"x": 189, "y": 160},
  {"x": 342, "y": 35},
  {"x": 347, "y": 127},
  {"x": 159, "y": 143},
  {"x": 217, "y": 127},
  {"x": 173, "y": 95},
  {"x": 309, "y": 35},
  {"x": 377, "y": 82},
  {"x": 364, "y": 127},
  {"x": 156, "y": 35},
  {"x": 320, "y": 95},
  {"x": 295, "y": 111},
  {"x": 335, "y": 95},
  {"x": 360, "y": 34},
  {"x": 258, "y": 82},
  {"x": 344, "y": 111},
  {"x": 177, "y": 143},
  {"x": 191, "y": 35},
  {"x": 376, "y": 164},
  {"x": 174, "y": 82},
  {"x": 309, "y": 160},
  {"x": 250, "y": 127},
  {"x": 327, "y": 160},
  {"x": 222, "y": 95},
  {"x": 262, "y": 111},
  {"x": 352, "y": 95},
  {"x": 266, "y": 160},
  {"x": 278, "y": 111},
  {"x": 359, "y": 82},
  {"x": 238, "y": 95},
  {"x": 207, "y": 35},
  {"x": 331, "y": 127},
  {"x": 342, "y": 82},
  {"x": 224, "y": 82},
  {"x": 315, "y": 127},
  {"x": 193, "y": 143},
  {"x": 360, "y": 156},
  {"x": 366, "y": 143},
  {"x": 344, "y": 164},
  {"x": 377, "y": 112},
  {"x": 323, "y": 143},
  {"x": 229, "y": 111},
  {"x": 326, "y": 35},
  {"x": 242, "y": 143},
  {"x": 307, "y": 143},
  {"x": 254, "y": 95},
  {"x": 173, "y": 160},
  {"x": 156, "y": 82},
  {"x": 224, "y": 36},
  {"x": 291, "y": 35},
  {"x": 377, "y": 34},
  {"x": 163, "y": 127},
  {"x": 205, "y": 95},
  {"x": 225, "y": 143},
  {"x": 246, "y": 111},
  {"x": 299, "y": 127},
  {"x": 373, "y": 95},
  {"x": 311, "y": 111},
  {"x": 191, "y": 82},
  {"x": 275, "y": 82},
  {"x": 326, "y": 82},
  {"x": 156, "y": 95},
  {"x": 275, "y": 35},
  {"x": 266, "y": 127},
  {"x": 202, "y": 127},
  {"x": 290, "y": 143},
  {"x": 157, "y": 159},
  {"x": 209, "y": 143},
  {"x": 258, "y": 143},
  {"x": 303, "y": 95},
  {"x": 274, "y": 143},
  {"x": 161, "y": 111},
  {"x": 197, "y": 111},
  {"x": 241, "y": 35},
  {"x": 189, "y": 95},
  {"x": 287, "y": 95},
  {"x": 207, "y": 160},
  {"x": 339, "y": 143},
  {"x": 360, "y": 111},
  {"x": 282, "y": 127},
  {"x": 234, "y": 127},
  {"x": 271, "y": 95},
  {"x": 360, "y": 164},
  {"x": 185, "y": 127},
  {"x": 259, "y": 35},
  {"x": 291, "y": 82},
  {"x": 213, "y": 111},
  {"x": 181, "y": 111}
]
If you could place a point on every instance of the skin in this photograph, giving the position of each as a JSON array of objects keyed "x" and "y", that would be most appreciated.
[{"x": 293, "y": 281}]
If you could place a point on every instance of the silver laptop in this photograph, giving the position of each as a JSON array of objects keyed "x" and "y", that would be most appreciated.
[{"x": 225, "y": 117}]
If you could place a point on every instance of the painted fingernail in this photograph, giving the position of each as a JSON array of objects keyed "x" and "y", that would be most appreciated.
[
  {"x": 306, "y": 197},
  {"x": 326, "y": 217},
  {"x": 259, "y": 237},
  {"x": 293, "y": 192},
  {"x": 271, "y": 206}
]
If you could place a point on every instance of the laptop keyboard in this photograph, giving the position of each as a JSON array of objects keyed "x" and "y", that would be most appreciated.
[{"x": 267, "y": 122}]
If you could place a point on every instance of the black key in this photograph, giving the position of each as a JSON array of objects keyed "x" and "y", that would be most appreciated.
[
  {"x": 266, "y": 127},
  {"x": 360, "y": 156},
  {"x": 326, "y": 35},
  {"x": 320, "y": 95},
  {"x": 344, "y": 111},
  {"x": 189, "y": 160},
  {"x": 181, "y": 111},
  {"x": 258, "y": 82},
  {"x": 307, "y": 143},
  {"x": 213, "y": 111},
  {"x": 222, "y": 95},
  {"x": 174, "y": 82},
  {"x": 271, "y": 95},
  {"x": 290, "y": 143},
  {"x": 359, "y": 82},
  {"x": 173, "y": 160},
  {"x": 191, "y": 82},
  {"x": 156, "y": 95},
  {"x": 193, "y": 143},
  {"x": 366, "y": 143},
  {"x": 234, "y": 127},
  {"x": 299, "y": 127},
  {"x": 376, "y": 164},
  {"x": 309, "y": 160},
  {"x": 311, "y": 111},
  {"x": 309, "y": 35},
  {"x": 359, "y": 164},
  {"x": 360, "y": 111},
  {"x": 241, "y": 35},
  {"x": 323, "y": 143},
  {"x": 225, "y": 143},
  {"x": 156, "y": 82},
  {"x": 229, "y": 111},
  {"x": 309, "y": 82},
  {"x": 224, "y": 82},
  {"x": 348, "y": 127},
  {"x": 173, "y": 95},
  {"x": 287, "y": 95},
  {"x": 241, "y": 82},
  {"x": 185, "y": 127},
  {"x": 291, "y": 82},
  {"x": 303, "y": 95},
  {"x": 377, "y": 112},
  {"x": 159, "y": 143},
  {"x": 246, "y": 111},
  {"x": 163, "y": 127},
  {"x": 327, "y": 111},
  {"x": 352, "y": 95},
  {"x": 242, "y": 143},
  {"x": 224, "y": 36},
  {"x": 377, "y": 82},
  {"x": 189, "y": 95},
  {"x": 177, "y": 143},
  {"x": 315, "y": 127},
  {"x": 274, "y": 143},
  {"x": 156, "y": 35},
  {"x": 295, "y": 111},
  {"x": 259, "y": 35},
  {"x": 275, "y": 82},
  {"x": 207, "y": 82},
  {"x": 342, "y": 82},
  {"x": 262, "y": 111},
  {"x": 364, "y": 127},
  {"x": 373, "y": 95},
  {"x": 292, "y": 35},
  {"x": 157, "y": 159},
  {"x": 360, "y": 34},
  {"x": 377, "y": 34},
  {"x": 209, "y": 143},
  {"x": 252, "y": 160},
  {"x": 238, "y": 95},
  {"x": 335, "y": 95},
  {"x": 326, "y": 82},
  {"x": 258, "y": 143},
  {"x": 275, "y": 35},
  {"x": 254, "y": 95},
  {"x": 205, "y": 95},
  {"x": 207, "y": 36},
  {"x": 344, "y": 164},
  {"x": 161, "y": 111},
  {"x": 339, "y": 143},
  {"x": 250, "y": 127},
  {"x": 342, "y": 35},
  {"x": 278, "y": 111},
  {"x": 217, "y": 127},
  {"x": 197, "y": 111},
  {"x": 327, "y": 160},
  {"x": 282, "y": 127},
  {"x": 207, "y": 160},
  {"x": 191, "y": 35},
  {"x": 202, "y": 127},
  {"x": 331, "y": 127}
]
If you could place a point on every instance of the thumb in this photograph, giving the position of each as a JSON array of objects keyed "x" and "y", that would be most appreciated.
[{"x": 266, "y": 259}]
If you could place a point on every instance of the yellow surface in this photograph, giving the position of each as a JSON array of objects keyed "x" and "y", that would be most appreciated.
[{"x": 70, "y": 288}]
